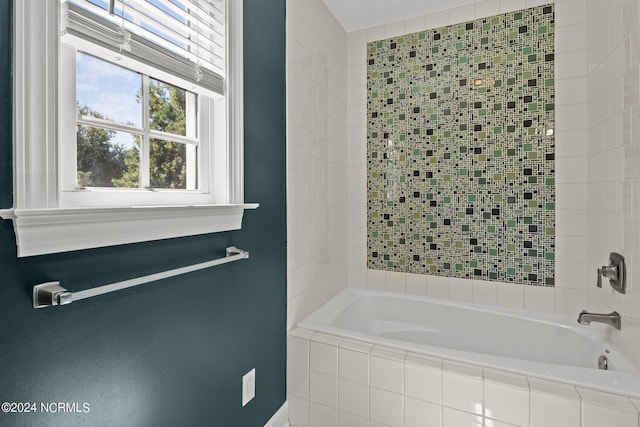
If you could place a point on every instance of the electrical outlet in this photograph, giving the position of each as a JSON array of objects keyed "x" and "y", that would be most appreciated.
[{"x": 248, "y": 386}]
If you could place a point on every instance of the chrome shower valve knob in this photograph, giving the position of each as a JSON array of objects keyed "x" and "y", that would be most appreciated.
[{"x": 616, "y": 272}]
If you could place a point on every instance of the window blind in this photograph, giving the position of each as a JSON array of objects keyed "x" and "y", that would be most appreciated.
[{"x": 182, "y": 37}]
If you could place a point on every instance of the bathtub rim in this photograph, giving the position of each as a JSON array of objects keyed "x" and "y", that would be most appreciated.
[{"x": 625, "y": 381}]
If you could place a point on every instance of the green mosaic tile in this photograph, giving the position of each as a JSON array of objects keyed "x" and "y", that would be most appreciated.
[{"x": 461, "y": 150}]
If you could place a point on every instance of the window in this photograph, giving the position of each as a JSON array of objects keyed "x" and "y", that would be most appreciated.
[
  {"x": 148, "y": 79},
  {"x": 139, "y": 134},
  {"x": 157, "y": 121}
]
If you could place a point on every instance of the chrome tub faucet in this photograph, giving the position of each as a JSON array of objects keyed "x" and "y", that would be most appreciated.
[{"x": 613, "y": 318}]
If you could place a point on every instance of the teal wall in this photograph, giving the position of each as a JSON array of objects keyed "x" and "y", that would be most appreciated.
[{"x": 171, "y": 353}]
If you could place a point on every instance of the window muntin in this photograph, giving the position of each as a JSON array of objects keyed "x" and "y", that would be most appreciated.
[{"x": 133, "y": 131}]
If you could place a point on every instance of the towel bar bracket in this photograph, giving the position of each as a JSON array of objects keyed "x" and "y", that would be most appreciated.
[
  {"x": 50, "y": 293},
  {"x": 232, "y": 250}
]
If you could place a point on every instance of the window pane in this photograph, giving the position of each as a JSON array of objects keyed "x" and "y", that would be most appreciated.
[
  {"x": 168, "y": 166},
  {"x": 107, "y": 91},
  {"x": 107, "y": 158},
  {"x": 167, "y": 108}
]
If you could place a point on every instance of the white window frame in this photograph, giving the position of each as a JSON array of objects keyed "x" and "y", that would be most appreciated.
[
  {"x": 212, "y": 168},
  {"x": 44, "y": 221}
]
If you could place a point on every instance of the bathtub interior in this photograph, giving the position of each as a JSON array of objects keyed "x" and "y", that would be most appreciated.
[
  {"x": 471, "y": 329},
  {"x": 544, "y": 345}
]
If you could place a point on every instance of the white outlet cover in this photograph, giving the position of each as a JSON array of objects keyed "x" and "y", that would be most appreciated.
[{"x": 248, "y": 386}]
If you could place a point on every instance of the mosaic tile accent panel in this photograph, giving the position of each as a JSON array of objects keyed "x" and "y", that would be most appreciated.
[{"x": 460, "y": 150}]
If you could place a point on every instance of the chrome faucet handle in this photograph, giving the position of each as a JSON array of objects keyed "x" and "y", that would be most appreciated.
[
  {"x": 609, "y": 271},
  {"x": 616, "y": 272}
]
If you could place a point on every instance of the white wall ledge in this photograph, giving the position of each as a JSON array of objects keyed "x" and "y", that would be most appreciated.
[{"x": 53, "y": 230}]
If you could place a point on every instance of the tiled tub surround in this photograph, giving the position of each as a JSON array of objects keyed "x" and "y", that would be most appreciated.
[
  {"x": 556, "y": 347},
  {"x": 340, "y": 382},
  {"x": 613, "y": 36},
  {"x": 593, "y": 217},
  {"x": 316, "y": 157},
  {"x": 351, "y": 379},
  {"x": 461, "y": 150}
]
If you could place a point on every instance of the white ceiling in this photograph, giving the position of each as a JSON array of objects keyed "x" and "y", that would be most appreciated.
[{"x": 355, "y": 15}]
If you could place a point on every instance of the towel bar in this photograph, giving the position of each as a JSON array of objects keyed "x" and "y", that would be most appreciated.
[{"x": 51, "y": 293}]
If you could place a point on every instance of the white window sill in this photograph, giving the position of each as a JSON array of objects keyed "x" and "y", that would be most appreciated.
[{"x": 45, "y": 231}]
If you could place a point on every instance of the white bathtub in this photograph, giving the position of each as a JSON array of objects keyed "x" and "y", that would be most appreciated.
[{"x": 543, "y": 345}]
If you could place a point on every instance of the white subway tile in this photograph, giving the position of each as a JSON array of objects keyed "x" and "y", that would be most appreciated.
[
  {"x": 505, "y": 402},
  {"x": 437, "y": 20},
  {"x": 553, "y": 388},
  {"x": 395, "y": 282},
  {"x": 357, "y": 95},
  {"x": 572, "y": 223},
  {"x": 539, "y": 298},
  {"x": 323, "y": 356},
  {"x": 323, "y": 389},
  {"x": 570, "y": 301},
  {"x": 460, "y": 289},
  {"x": 357, "y": 55},
  {"x": 571, "y": 37},
  {"x": 418, "y": 413},
  {"x": 571, "y": 64},
  {"x": 485, "y": 292},
  {"x": 346, "y": 419},
  {"x": 598, "y": 416},
  {"x": 511, "y": 295},
  {"x": 550, "y": 410},
  {"x": 389, "y": 353},
  {"x": 454, "y": 418},
  {"x": 488, "y": 422},
  {"x": 438, "y": 287},
  {"x": 414, "y": 25},
  {"x": 573, "y": 143},
  {"x": 353, "y": 398},
  {"x": 322, "y": 416},
  {"x": 416, "y": 284},
  {"x": 571, "y": 91},
  {"x": 354, "y": 365},
  {"x": 571, "y": 12},
  {"x": 571, "y": 170},
  {"x": 572, "y": 196},
  {"x": 614, "y": 402},
  {"x": 571, "y": 117},
  {"x": 298, "y": 411},
  {"x": 511, "y": 5},
  {"x": 376, "y": 33},
  {"x": 298, "y": 351},
  {"x": 387, "y": 374},
  {"x": 355, "y": 258},
  {"x": 357, "y": 37},
  {"x": 462, "y": 387},
  {"x": 462, "y": 14},
  {"x": 394, "y": 29},
  {"x": 376, "y": 279},
  {"x": 423, "y": 378},
  {"x": 571, "y": 249},
  {"x": 298, "y": 382},
  {"x": 386, "y": 407},
  {"x": 487, "y": 8},
  {"x": 357, "y": 276},
  {"x": 535, "y": 3}
]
